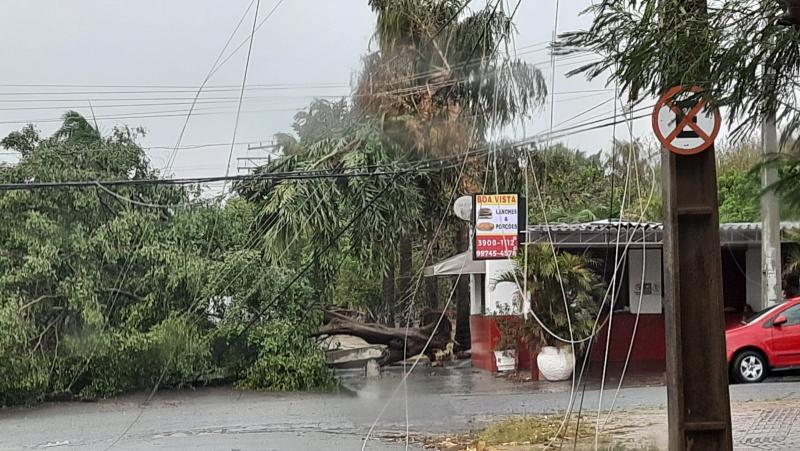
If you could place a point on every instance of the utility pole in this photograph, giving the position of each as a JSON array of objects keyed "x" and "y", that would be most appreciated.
[
  {"x": 698, "y": 402},
  {"x": 770, "y": 220},
  {"x": 771, "y": 262},
  {"x": 697, "y": 372},
  {"x": 248, "y": 164}
]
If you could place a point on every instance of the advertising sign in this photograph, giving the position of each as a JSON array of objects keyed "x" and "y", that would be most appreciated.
[{"x": 496, "y": 219}]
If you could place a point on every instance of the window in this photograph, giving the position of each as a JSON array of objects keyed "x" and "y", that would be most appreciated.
[
  {"x": 760, "y": 313},
  {"x": 792, "y": 314}
]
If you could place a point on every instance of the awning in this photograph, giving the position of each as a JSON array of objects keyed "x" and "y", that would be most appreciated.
[{"x": 455, "y": 265}]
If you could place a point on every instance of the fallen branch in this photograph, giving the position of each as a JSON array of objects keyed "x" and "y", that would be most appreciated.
[
  {"x": 40, "y": 299},
  {"x": 394, "y": 338}
]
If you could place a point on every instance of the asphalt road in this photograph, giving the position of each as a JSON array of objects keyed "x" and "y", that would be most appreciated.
[{"x": 225, "y": 419}]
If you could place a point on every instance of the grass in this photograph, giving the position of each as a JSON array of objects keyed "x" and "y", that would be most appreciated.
[
  {"x": 531, "y": 430},
  {"x": 535, "y": 433}
]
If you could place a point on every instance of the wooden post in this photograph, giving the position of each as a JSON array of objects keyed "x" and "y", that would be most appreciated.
[
  {"x": 697, "y": 370},
  {"x": 698, "y": 402}
]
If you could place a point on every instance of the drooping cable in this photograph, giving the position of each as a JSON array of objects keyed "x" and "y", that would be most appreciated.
[{"x": 171, "y": 158}]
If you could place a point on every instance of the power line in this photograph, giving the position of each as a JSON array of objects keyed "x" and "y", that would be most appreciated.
[
  {"x": 317, "y": 255},
  {"x": 353, "y": 172},
  {"x": 167, "y": 102},
  {"x": 178, "y": 101},
  {"x": 531, "y": 48},
  {"x": 182, "y": 113},
  {"x": 244, "y": 82},
  {"x": 409, "y": 90},
  {"x": 173, "y": 98},
  {"x": 450, "y": 20},
  {"x": 153, "y": 115},
  {"x": 275, "y": 176},
  {"x": 190, "y": 88},
  {"x": 171, "y": 159}
]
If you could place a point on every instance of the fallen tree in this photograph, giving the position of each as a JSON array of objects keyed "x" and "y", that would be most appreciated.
[{"x": 394, "y": 338}]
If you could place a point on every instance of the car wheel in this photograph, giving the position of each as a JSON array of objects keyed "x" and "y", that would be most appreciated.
[{"x": 749, "y": 367}]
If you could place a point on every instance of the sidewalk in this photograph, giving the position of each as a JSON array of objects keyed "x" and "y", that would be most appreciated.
[
  {"x": 757, "y": 425},
  {"x": 767, "y": 425}
]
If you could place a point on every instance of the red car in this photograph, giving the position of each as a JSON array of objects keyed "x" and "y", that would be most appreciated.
[{"x": 768, "y": 340}]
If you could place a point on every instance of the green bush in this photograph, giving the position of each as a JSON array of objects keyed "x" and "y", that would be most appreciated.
[
  {"x": 23, "y": 374},
  {"x": 99, "y": 295},
  {"x": 102, "y": 364},
  {"x": 287, "y": 361}
]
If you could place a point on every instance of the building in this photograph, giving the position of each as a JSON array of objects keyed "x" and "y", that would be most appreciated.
[{"x": 637, "y": 246}]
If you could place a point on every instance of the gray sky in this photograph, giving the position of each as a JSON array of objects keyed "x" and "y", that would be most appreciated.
[{"x": 307, "y": 48}]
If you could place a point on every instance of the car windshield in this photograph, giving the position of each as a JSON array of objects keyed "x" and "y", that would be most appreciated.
[{"x": 759, "y": 314}]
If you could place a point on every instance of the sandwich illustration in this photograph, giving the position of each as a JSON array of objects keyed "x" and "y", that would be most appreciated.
[{"x": 485, "y": 213}]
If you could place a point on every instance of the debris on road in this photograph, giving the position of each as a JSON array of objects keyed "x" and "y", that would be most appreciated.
[{"x": 397, "y": 342}]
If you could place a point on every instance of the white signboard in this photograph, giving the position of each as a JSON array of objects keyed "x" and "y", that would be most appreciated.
[
  {"x": 496, "y": 222},
  {"x": 685, "y": 130},
  {"x": 649, "y": 292}
]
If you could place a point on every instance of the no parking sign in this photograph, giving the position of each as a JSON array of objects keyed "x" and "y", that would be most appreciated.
[{"x": 682, "y": 130}]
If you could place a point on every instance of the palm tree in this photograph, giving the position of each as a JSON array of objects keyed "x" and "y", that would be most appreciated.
[
  {"x": 544, "y": 275},
  {"x": 432, "y": 87},
  {"x": 305, "y": 216},
  {"x": 77, "y": 130},
  {"x": 437, "y": 78}
]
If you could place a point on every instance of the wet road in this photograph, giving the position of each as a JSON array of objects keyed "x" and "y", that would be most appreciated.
[{"x": 224, "y": 419}]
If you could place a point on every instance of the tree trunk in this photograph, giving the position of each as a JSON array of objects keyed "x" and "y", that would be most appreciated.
[
  {"x": 431, "y": 286},
  {"x": 432, "y": 283},
  {"x": 404, "y": 281},
  {"x": 393, "y": 337},
  {"x": 317, "y": 282},
  {"x": 463, "y": 333},
  {"x": 388, "y": 297}
]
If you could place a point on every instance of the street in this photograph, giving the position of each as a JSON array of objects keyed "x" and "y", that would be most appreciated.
[{"x": 222, "y": 418}]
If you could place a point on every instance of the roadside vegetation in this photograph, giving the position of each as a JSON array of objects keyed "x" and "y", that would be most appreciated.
[{"x": 528, "y": 433}]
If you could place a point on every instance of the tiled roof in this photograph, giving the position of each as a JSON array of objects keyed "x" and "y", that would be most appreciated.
[
  {"x": 601, "y": 226},
  {"x": 608, "y": 232}
]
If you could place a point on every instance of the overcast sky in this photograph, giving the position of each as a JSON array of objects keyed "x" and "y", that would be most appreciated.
[{"x": 152, "y": 53}]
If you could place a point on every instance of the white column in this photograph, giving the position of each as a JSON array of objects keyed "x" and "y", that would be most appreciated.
[
  {"x": 652, "y": 291},
  {"x": 475, "y": 295},
  {"x": 502, "y": 296},
  {"x": 752, "y": 269},
  {"x": 770, "y": 221}
]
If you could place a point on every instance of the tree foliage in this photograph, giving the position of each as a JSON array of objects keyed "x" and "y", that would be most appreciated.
[
  {"x": 432, "y": 87},
  {"x": 100, "y": 294},
  {"x": 727, "y": 47},
  {"x": 545, "y": 276},
  {"x": 734, "y": 49}
]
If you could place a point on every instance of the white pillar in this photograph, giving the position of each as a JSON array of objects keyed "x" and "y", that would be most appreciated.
[
  {"x": 652, "y": 291},
  {"x": 770, "y": 221},
  {"x": 475, "y": 295},
  {"x": 502, "y": 296},
  {"x": 752, "y": 269}
]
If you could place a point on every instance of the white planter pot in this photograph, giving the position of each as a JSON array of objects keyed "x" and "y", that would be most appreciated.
[
  {"x": 506, "y": 360},
  {"x": 555, "y": 364}
]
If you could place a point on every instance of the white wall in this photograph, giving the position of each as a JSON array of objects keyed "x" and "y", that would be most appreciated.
[
  {"x": 653, "y": 285},
  {"x": 752, "y": 258},
  {"x": 503, "y": 294},
  {"x": 476, "y": 294}
]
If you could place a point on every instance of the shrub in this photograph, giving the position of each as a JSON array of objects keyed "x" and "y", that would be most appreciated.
[
  {"x": 102, "y": 364},
  {"x": 287, "y": 361},
  {"x": 23, "y": 374}
]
